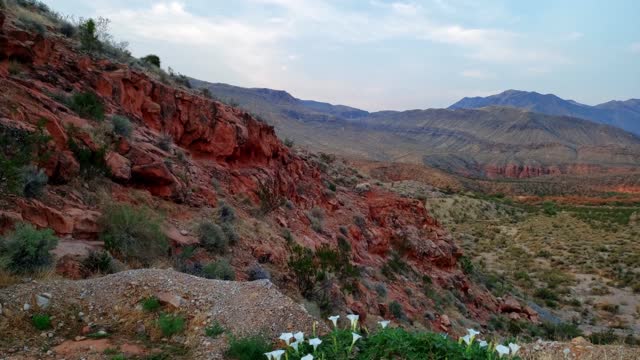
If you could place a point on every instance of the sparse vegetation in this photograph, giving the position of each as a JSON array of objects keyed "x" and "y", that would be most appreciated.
[
  {"x": 34, "y": 180},
  {"x": 99, "y": 262},
  {"x": 87, "y": 105},
  {"x": 214, "y": 330},
  {"x": 122, "y": 126},
  {"x": 212, "y": 237},
  {"x": 220, "y": 269},
  {"x": 41, "y": 321},
  {"x": 150, "y": 304},
  {"x": 171, "y": 324},
  {"x": 26, "y": 249},
  {"x": 248, "y": 348},
  {"x": 133, "y": 233}
]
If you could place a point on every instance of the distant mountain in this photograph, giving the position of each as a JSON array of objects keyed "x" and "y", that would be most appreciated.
[
  {"x": 492, "y": 141},
  {"x": 623, "y": 114}
]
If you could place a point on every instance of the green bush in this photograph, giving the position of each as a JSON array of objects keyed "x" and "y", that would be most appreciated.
[
  {"x": 87, "y": 105},
  {"x": 26, "y": 250},
  {"x": 214, "y": 330},
  {"x": 219, "y": 269},
  {"x": 41, "y": 321},
  {"x": 152, "y": 59},
  {"x": 133, "y": 233},
  {"x": 171, "y": 324},
  {"x": 466, "y": 265},
  {"x": 150, "y": 304},
  {"x": 549, "y": 208},
  {"x": 257, "y": 272},
  {"x": 99, "y": 262},
  {"x": 34, "y": 180},
  {"x": 249, "y": 348},
  {"x": 121, "y": 126},
  {"x": 212, "y": 237}
]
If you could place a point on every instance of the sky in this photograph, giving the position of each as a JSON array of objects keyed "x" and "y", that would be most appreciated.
[{"x": 388, "y": 55}]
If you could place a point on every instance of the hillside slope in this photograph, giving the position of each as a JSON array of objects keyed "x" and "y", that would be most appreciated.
[
  {"x": 623, "y": 114},
  {"x": 212, "y": 183},
  {"x": 490, "y": 142}
]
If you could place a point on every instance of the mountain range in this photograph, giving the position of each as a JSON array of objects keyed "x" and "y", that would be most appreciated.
[
  {"x": 491, "y": 141},
  {"x": 623, "y": 114}
]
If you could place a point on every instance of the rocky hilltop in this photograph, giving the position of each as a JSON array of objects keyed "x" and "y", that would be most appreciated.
[{"x": 494, "y": 139}]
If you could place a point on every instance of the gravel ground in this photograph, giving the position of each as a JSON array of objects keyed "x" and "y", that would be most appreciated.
[{"x": 83, "y": 308}]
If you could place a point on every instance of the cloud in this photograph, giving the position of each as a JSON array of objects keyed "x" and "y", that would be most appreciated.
[
  {"x": 635, "y": 47},
  {"x": 476, "y": 74}
]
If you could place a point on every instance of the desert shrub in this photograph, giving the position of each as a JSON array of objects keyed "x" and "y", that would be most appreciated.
[
  {"x": 67, "y": 29},
  {"x": 170, "y": 324},
  {"x": 31, "y": 23},
  {"x": 214, "y": 330},
  {"x": 26, "y": 249},
  {"x": 122, "y": 126},
  {"x": 165, "y": 141},
  {"x": 302, "y": 264},
  {"x": 316, "y": 218},
  {"x": 288, "y": 143},
  {"x": 466, "y": 265},
  {"x": 560, "y": 331},
  {"x": 87, "y": 105},
  {"x": 99, "y": 262},
  {"x": 41, "y": 321},
  {"x": 395, "y": 308},
  {"x": 152, "y": 59},
  {"x": 248, "y": 348},
  {"x": 212, "y": 237},
  {"x": 19, "y": 149},
  {"x": 257, "y": 272},
  {"x": 88, "y": 33},
  {"x": 226, "y": 213},
  {"x": 34, "y": 180},
  {"x": 134, "y": 233},
  {"x": 395, "y": 265},
  {"x": 230, "y": 231},
  {"x": 219, "y": 269},
  {"x": 604, "y": 337},
  {"x": 549, "y": 208},
  {"x": 206, "y": 93},
  {"x": 92, "y": 163},
  {"x": 14, "y": 68},
  {"x": 381, "y": 290},
  {"x": 150, "y": 304}
]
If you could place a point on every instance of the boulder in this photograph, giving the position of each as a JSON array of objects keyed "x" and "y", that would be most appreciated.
[
  {"x": 43, "y": 216},
  {"x": 119, "y": 166}
]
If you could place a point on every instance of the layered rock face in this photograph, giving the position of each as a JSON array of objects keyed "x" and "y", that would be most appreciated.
[{"x": 187, "y": 151}]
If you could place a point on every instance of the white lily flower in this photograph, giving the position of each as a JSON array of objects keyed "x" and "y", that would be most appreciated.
[
  {"x": 354, "y": 320},
  {"x": 275, "y": 355},
  {"x": 468, "y": 339},
  {"x": 384, "y": 323},
  {"x": 514, "y": 348},
  {"x": 483, "y": 343},
  {"x": 502, "y": 350},
  {"x": 299, "y": 336},
  {"x": 294, "y": 345},
  {"x": 315, "y": 342},
  {"x": 473, "y": 332},
  {"x": 307, "y": 357},
  {"x": 334, "y": 320},
  {"x": 356, "y": 337},
  {"x": 286, "y": 337}
]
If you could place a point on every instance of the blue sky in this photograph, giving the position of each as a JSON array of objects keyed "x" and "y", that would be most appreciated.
[{"x": 377, "y": 54}]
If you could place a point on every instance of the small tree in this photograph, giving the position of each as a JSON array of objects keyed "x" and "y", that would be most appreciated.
[
  {"x": 88, "y": 34},
  {"x": 152, "y": 59}
]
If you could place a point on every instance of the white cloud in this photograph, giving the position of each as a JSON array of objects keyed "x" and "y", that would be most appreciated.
[
  {"x": 635, "y": 47},
  {"x": 476, "y": 74}
]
